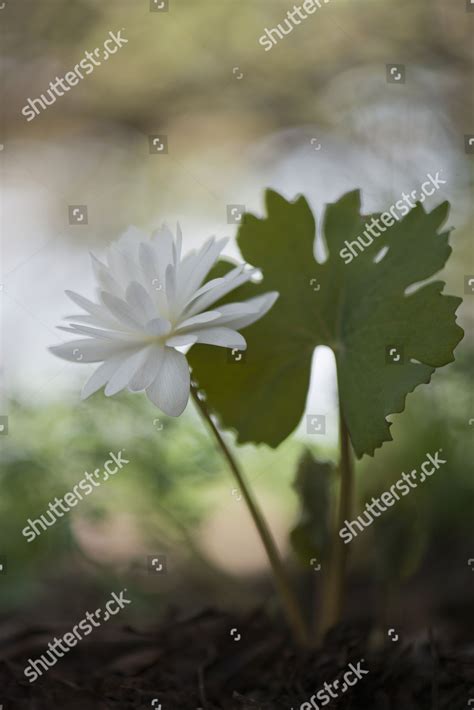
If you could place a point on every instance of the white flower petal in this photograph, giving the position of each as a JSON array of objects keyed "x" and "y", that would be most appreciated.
[
  {"x": 177, "y": 245},
  {"x": 105, "y": 323},
  {"x": 170, "y": 389},
  {"x": 122, "y": 311},
  {"x": 250, "y": 311},
  {"x": 80, "y": 318},
  {"x": 90, "y": 350},
  {"x": 139, "y": 299},
  {"x": 101, "y": 376},
  {"x": 206, "y": 287},
  {"x": 178, "y": 341},
  {"x": 154, "y": 282},
  {"x": 148, "y": 369},
  {"x": 158, "y": 327},
  {"x": 147, "y": 257},
  {"x": 162, "y": 243},
  {"x": 196, "y": 272},
  {"x": 149, "y": 295},
  {"x": 101, "y": 334},
  {"x": 170, "y": 289},
  {"x": 228, "y": 284},
  {"x": 223, "y": 337},
  {"x": 124, "y": 374},
  {"x": 84, "y": 303},
  {"x": 206, "y": 317},
  {"x": 104, "y": 277},
  {"x": 130, "y": 240},
  {"x": 120, "y": 267},
  {"x": 95, "y": 309}
]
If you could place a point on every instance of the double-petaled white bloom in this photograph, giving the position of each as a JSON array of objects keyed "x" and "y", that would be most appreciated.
[{"x": 150, "y": 302}]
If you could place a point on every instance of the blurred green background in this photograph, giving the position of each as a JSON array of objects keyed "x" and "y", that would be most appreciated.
[{"x": 238, "y": 120}]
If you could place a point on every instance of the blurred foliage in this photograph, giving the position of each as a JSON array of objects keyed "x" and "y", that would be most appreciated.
[
  {"x": 176, "y": 76},
  {"x": 438, "y": 514},
  {"x": 206, "y": 39},
  {"x": 169, "y": 463},
  {"x": 175, "y": 479},
  {"x": 314, "y": 481}
]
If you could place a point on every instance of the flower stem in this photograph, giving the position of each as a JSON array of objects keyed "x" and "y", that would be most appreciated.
[
  {"x": 334, "y": 592},
  {"x": 282, "y": 583}
]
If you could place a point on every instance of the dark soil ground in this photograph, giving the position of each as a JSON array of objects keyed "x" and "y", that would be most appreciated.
[{"x": 195, "y": 663}]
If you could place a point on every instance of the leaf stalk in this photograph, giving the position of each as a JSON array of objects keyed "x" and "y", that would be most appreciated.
[{"x": 282, "y": 583}]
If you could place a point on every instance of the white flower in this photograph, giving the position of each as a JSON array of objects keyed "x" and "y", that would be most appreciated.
[{"x": 150, "y": 302}]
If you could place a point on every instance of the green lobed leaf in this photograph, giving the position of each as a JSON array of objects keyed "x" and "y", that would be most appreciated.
[{"x": 360, "y": 309}]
